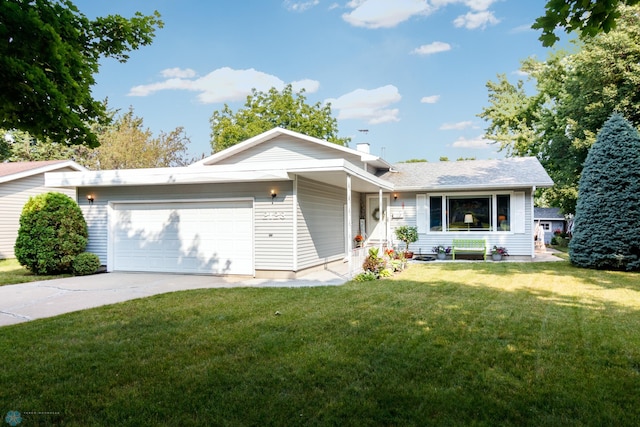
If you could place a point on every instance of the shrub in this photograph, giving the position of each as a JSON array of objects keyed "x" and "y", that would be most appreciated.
[
  {"x": 607, "y": 222},
  {"x": 366, "y": 276},
  {"x": 85, "y": 263},
  {"x": 407, "y": 234},
  {"x": 52, "y": 232},
  {"x": 373, "y": 262}
]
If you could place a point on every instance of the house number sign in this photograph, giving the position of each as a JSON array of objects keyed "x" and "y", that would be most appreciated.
[{"x": 274, "y": 216}]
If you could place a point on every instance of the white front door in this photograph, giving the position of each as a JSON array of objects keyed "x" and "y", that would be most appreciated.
[{"x": 377, "y": 218}]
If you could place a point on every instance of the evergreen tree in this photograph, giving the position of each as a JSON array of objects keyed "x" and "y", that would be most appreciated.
[{"x": 607, "y": 226}]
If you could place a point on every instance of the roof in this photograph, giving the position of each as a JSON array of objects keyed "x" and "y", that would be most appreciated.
[
  {"x": 548, "y": 214},
  {"x": 10, "y": 171},
  {"x": 510, "y": 173},
  {"x": 371, "y": 159}
]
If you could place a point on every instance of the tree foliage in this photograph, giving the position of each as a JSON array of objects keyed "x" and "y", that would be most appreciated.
[
  {"x": 49, "y": 54},
  {"x": 264, "y": 111},
  {"x": 574, "y": 95},
  {"x": 607, "y": 223},
  {"x": 588, "y": 18},
  {"x": 126, "y": 144},
  {"x": 52, "y": 232}
]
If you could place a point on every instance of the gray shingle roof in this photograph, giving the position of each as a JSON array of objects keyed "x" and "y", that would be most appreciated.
[
  {"x": 547, "y": 213},
  {"x": 513, "y": 172}
]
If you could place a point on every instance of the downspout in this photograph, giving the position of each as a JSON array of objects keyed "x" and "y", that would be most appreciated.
[
  {"x": 295, "y": 222},
  {"x": 533, "y": 243},
  {"x": 349, "y": 227},
  {"x": 381, "y": 222}
]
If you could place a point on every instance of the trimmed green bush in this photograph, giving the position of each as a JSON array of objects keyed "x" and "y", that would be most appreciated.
[
  {"x": 607, "y": 223},
  {"x": 52, "y": 233},
  {"x": 85, "y": 263}
]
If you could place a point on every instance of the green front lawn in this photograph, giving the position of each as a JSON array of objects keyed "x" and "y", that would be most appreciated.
[
  {"x": 11, "y": 272},
  {"x": 441, "y": 344}
]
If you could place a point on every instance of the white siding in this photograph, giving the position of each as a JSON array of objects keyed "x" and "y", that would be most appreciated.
[
  {"x": 320, "y": 223},
  {"x": 13, "y": 196},
  {"x": 288, "y": 149},
  {"x": 273, "y": 220},
  {"x": 404, "y": 213}
]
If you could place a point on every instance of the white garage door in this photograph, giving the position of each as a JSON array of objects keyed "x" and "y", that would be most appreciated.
[{"x": 183, "y": 237}]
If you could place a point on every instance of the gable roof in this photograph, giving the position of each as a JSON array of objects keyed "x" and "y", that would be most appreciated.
[
  {"x": 368, "y": 158},
  {"x": 548, "y": 214},
  {"x": 10, "y": 171},
  {"x": 509, "y": 173}
]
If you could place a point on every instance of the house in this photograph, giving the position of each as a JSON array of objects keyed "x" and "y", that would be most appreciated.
[
  {"x": 283, "y": 203},
  {"x": 18, "y": 182},
  {"x": 550, "y": 220}
]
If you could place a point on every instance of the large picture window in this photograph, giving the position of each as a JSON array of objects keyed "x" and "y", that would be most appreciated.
[
  {"x": 469, "y": 213},
  {"x": 477, "y": 212}
]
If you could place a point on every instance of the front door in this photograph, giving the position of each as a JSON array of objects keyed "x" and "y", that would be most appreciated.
[{"x": 377, "y": 218}]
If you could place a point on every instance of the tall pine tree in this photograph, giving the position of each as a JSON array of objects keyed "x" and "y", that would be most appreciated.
[{"x": 607, "y": 226}]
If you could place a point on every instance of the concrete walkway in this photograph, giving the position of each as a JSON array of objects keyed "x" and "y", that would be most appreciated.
[{"x": 36, "y": 300}]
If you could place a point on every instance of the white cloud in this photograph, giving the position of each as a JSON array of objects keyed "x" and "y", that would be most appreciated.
[
  {"x": 456, "y": 126},
  {"x": 431, "y": 48},
  {"x": 370, "y": 105},
  {"x": 384, "y": 13},
  {"x": 222, "y": 85},
  {"x": 472, "y": 20},
  {"x": 479, "y": 142},
  {"x": 185, "y": 73},
  {"x": 300, "y": 6},
  {"x": 387, "y": 14},
  {"x": 430, "y": 99}
]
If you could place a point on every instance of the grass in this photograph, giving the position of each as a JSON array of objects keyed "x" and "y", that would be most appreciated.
[
  {"x": 441, "y": 344},
  {"x": 11, "y": 273}
]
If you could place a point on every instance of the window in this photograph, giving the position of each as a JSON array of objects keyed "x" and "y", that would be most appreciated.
[
  {"x": 478, "y": 212},
  {"x": 435, "y": 213},
  {"x": 504, "y": 212},
  {"x": 469, "y": 213}
]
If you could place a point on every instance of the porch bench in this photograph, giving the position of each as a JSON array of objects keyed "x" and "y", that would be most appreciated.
[{"x": 472, "y": 246}]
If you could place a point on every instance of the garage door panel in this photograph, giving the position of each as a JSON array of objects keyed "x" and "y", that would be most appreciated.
[{"x": 200, "y": 237}]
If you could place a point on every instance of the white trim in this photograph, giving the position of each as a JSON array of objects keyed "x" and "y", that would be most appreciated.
[
  {"x": 422, "y": 209},
  {"x": 111, "y": 225},
  {"x": 494, "y": 201},
  {"x": 42, "y": 169},
  {"x": 294, "y": 195}
]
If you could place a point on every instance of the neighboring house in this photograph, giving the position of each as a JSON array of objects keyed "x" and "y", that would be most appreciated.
[
  {"x": 550, "y": 220},
  {"x": 18, "y": 182},
  {"x": 282, "y": 203}
]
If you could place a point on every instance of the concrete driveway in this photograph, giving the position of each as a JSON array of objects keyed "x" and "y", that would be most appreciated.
[{"x": 36, "y": 300}]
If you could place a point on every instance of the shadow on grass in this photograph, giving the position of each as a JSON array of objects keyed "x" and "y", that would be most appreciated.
[{"x": 436, "y": 351}]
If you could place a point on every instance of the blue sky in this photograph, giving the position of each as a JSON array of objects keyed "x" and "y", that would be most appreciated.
[{"x": 411, "y": 72}]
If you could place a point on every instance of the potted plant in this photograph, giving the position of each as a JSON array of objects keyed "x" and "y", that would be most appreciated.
[
  {"x": 358, "y": 239},
  {"x": 441, "y": 251},
  {"x": 498, "y": 252},
  {"x": 408, "y": 235}
]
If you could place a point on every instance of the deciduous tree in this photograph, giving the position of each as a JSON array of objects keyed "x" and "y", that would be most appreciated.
[
  {"x": 588, "y": 18},
  {"x": 574, "y": 95},
  {"x": 49, "y": 54},
  {"x": 264, "y": 111}
]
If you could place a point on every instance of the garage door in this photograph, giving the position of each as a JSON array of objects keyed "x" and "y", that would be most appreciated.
[{"x": 183, "y": 237}]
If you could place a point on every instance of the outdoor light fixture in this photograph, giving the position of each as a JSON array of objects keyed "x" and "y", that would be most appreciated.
[
  {"x": 273, "y": 194},
  {"x": 395, "y": 196},
  {"x": 90, "y": 198},
  {"x": 468, "y": 219}
]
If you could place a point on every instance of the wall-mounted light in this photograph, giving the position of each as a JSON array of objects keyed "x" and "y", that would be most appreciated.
[
  {"x": 395, "y": 196},
  {"x": 273, "y": 194},
  {"x": 90, "y": 198}
]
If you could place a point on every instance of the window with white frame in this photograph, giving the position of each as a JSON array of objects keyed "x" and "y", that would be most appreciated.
[{"x": 496, "y": 212}]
